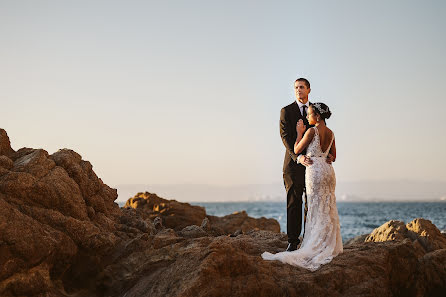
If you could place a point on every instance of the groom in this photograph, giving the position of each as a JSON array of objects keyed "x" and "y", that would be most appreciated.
[{"x": 293, "y": 165}]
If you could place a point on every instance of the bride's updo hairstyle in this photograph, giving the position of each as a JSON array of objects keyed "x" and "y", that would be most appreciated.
[{"x": 321, "y": 109}]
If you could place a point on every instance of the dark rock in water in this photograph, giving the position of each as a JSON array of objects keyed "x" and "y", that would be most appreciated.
[
  {"x": 178, "y": 215},
  {"x": 357, "y": 239},
  {"x": 241, "y": 221},
  {"x": 61, "y": 234},
  {"x": 174, "y": 214}
]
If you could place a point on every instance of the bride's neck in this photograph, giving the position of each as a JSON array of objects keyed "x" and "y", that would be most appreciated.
[{"x": 320, "y": 123}]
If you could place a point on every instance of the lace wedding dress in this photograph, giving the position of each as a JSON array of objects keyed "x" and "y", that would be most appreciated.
[{"x": 322, "y": 238}]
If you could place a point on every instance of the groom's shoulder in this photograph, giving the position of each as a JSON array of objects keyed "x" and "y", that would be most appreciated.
[{"x": 289, "y": 106}]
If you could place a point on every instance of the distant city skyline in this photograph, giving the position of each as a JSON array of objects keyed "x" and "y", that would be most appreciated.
[
  {"x": 359, "y": 191},
  {"x": 189, "y": 92}
]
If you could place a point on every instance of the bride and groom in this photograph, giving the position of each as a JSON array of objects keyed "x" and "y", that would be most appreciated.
[{"x": 310, "y": 150}]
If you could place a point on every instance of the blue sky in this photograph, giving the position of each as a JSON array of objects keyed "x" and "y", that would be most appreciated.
[{"x": 190, "y": 91}]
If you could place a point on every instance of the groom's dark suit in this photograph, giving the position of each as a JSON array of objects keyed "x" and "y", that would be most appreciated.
[{"x": 293, "y": 173}]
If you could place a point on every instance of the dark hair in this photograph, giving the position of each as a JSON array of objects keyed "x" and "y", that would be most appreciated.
[
  {"x": 321, "y": 109},
  {"x": 303, "y": 80}
]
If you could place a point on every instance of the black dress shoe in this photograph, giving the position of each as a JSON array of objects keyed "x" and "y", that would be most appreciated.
[{"x": 292, "y": 246}]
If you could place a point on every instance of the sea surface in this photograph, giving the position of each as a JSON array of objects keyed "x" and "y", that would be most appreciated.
[{"x": 356, "y": 218}]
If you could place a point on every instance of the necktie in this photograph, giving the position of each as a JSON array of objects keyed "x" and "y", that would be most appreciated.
[{"x": 304, "y": 112}]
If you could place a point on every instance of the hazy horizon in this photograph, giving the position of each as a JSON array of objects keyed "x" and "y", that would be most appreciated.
[
  {"x": 396, "y": 190},
  {"x": 190, "y": 92}
]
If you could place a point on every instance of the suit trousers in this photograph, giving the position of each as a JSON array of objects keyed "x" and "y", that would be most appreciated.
[{"x": 295, "y": 188}]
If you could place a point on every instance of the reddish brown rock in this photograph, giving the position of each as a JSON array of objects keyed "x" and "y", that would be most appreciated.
[
  {"x": 174, "y": 214},
  {"x": 6, "y": 163},
  {"x": 58, "y": 222},
  {"x": 241, "y": 221},
  {"x": 225, "y": 266},
  {"x": 5, "y": 144},
  {"x": 427, "y": 234},
  {"x": 178, "y": 215},
  {"x": 357, "y": 239},
  {"x": 420, "y": 231},
  {"x": 61, "y": 234},
  {"x": 392, "y": 230}
]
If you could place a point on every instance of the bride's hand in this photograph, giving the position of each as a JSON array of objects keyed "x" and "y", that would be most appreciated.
[{"x": 300, "y": 127}]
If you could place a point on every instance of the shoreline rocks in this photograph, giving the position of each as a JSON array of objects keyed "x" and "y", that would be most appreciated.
[
  {"x": 179, "y": 215},
  {"x": 62, "y": 234}
]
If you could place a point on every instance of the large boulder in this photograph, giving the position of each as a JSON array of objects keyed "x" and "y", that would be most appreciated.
[
  {"x": 420, "y": 231},
  {"x": 175, "y": 215},
  {"x": 427, "y": 234},
  {"x": 58, "y": 221},
  {"x": 241, "y": 221}
]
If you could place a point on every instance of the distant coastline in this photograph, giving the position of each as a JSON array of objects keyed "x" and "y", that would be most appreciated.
[
  {"x": 122, "y": 203},
  {"x": 359, "y": 191}
]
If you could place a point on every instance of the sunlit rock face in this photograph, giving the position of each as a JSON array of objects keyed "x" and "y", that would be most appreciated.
[
  {"x": 175, "y": 215},
  {"x": 421, "y": 232},
  {"x": 58, "y": 221},
  {"x": 61, "y": 234},
  {"x": 178, "y": 215}
]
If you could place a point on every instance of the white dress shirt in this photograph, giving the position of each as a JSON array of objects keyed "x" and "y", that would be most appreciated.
[{"x": 301, "y": 105}]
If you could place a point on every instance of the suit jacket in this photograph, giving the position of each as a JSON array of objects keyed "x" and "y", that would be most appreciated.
[{"x": 289, "y": 115}]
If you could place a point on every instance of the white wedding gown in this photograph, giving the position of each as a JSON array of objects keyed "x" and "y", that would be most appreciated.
[{"x": 322, "y": 237}]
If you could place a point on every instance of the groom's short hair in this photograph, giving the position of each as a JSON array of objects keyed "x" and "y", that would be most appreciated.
[{"x": 307, "y": 83}]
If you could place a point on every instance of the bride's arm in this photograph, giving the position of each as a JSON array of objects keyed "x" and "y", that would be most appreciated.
[
  {"x": 303, "y": 141},
  {"x": 333, "y": 150}
]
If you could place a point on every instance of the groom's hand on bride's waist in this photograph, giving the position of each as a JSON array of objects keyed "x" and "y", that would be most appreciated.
[
  {"x": 330, "y": 159},
  {"x": 304, "y": 160}
]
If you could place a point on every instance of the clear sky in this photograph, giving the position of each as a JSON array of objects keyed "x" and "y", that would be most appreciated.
[{"x": 162, "y": 92}]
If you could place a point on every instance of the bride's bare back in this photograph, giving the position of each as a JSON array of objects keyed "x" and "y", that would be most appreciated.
[{"x": 325, "y": 135}]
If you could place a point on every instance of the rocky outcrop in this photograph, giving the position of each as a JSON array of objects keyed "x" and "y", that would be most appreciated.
[
  {"x": 421, "y": 232},
  {"x": 240, "y": 221},
  {"x": 231, "y": 266},
  {"x": 5, "y": 144},
  {"x": 61, "y": 234},
  {"x": 203, "y": 265},
  {"x": 178, "y": 215},
  {"x": 175, "y": 215},
  {"x": 58, "y": 222},
  {"x": 356, "y": 239}
]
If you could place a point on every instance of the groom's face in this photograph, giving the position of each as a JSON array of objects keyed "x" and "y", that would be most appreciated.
[{"x": 301, "y": 90}]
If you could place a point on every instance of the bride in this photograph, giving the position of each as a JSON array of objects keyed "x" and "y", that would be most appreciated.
[{"x": 322, "y": 237}]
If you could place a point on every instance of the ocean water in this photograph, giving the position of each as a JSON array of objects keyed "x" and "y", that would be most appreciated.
[{"x": 356, "y": 218}]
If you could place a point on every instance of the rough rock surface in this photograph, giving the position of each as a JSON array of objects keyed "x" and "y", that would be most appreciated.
[
  {"x": 5, "y": 144},
  {"x": 174, "y": 214},
  {"x": 58, "y": 222},
  {"x": 178, "y": 215},
  {"x": 241, "y": 221},
  {"x": 61, "y": 234},
  {"x": 421, "y": 232},
  {"x": 357, "y": 239}
]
